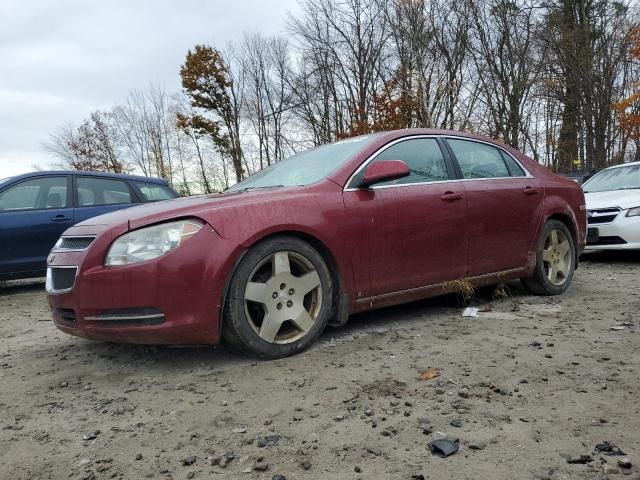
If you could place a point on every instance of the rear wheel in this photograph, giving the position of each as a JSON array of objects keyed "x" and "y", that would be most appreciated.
[
  {"x": 555, "y": 260},
  {"x": 279, "y": 300}
]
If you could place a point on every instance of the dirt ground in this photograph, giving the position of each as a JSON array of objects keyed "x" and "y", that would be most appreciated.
[{"x": 524, "y": 387}]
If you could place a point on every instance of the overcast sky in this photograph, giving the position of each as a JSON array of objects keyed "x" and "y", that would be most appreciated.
[{"x": 62, "y": 59}]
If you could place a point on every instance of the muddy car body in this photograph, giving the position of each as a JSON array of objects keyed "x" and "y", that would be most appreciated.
[{"x": 267, "y": 267}]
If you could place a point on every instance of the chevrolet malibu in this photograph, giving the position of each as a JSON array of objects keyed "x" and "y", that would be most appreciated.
[{"x": 359, "y": 224}]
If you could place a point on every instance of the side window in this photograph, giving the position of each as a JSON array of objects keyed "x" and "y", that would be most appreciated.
[
  {"x": 36, "y": 194},
  {"x": 102, "y": 191},
  {"x": 514, "y": 168},
  {"x": 153, "y": 192},
  {"x": 478, "y": 160},
  {"x": 424, "y": 157}
]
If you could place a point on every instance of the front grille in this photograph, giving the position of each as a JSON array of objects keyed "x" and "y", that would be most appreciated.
[
  {"x": 62, "y": 278},
  {"x": 612, "y": 240},
  {"x": 602, "y": 215},
  {"x": 75, "y": 243}
]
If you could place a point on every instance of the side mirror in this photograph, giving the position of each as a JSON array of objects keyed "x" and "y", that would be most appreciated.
[{"x": 383, "y": 171}]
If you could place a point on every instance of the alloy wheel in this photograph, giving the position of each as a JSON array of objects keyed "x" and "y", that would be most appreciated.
[
  {"x": 556, "y": 256},
  {"x": 283, "y": 296}
]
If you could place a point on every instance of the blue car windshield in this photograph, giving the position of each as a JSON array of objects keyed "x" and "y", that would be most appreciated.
[{"x": 306, "y": 167}]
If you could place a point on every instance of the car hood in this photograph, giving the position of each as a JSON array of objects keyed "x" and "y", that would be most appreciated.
[
  {"x": 201, "y": 206},
  {"x": 614, "y": 198}
]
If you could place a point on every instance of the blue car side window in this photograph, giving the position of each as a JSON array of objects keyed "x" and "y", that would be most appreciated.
[{"x": 37, "y": 194}]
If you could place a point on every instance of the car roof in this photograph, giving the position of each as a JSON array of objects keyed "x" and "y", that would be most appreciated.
[
  {"x": 630, "y": 164},
  {"x": 138, "y": 178}
]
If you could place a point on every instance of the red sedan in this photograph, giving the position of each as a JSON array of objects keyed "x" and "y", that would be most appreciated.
[{"x": 350, "y": 226}]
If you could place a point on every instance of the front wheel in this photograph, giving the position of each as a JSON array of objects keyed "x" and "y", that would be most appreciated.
[
  {"x": 555, "y": 261},
  {"x": 280, "y": 299}
]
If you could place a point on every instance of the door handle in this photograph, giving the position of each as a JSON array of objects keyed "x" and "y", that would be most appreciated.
[
  {"x": 450, "y": 196},
  {"x": 60, "y": 218},
  {"x": 530, "y": 190}
]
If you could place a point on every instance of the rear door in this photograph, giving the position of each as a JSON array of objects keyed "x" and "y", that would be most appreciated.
[
  {"x": 503, "y": 203},
  {"x": 98, "y": 195},
  {"x": 413, "y": 229},
  {"x": 152, "y": 191},
  {"x": 33, "y": 214}
]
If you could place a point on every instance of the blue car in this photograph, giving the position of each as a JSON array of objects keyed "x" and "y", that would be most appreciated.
[{"x": 35, "y": 208}]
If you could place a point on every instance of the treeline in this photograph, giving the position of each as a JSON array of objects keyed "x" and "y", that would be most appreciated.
[{"x": 556, "y": 79}]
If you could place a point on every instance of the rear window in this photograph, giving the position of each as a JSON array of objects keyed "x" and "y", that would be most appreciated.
[{"x": 153, "y": 192}]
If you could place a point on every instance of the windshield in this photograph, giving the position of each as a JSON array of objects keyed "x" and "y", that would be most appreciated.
[
  {"x": 619, "y": 178},
  {"x": 306, "y": 167},
  {"x": 3, "y": 180}
]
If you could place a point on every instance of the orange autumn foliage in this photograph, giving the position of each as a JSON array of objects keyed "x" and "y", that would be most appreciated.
[
  {"x": 391, "y": 109},
  {"x": 628, "y": 109}
]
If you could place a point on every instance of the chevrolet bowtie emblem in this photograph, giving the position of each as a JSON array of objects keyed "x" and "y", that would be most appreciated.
[{"x": 50, "y": 258}]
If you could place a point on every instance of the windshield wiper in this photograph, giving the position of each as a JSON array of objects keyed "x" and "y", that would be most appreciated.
[{"x": 246, "y": 189}]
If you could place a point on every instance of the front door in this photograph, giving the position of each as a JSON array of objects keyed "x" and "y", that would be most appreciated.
[
  {"x": 413, "y": 229},
  {"x": 33, "y": 215}
]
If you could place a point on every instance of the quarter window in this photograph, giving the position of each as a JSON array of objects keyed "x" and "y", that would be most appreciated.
[
  {"x": 478, "y": 160},
  {"x": 102, "y": 191},
  {"x": 514, "y": 167},
  {"x": 39, "y": 193},
  {"x": 422, "y": 155}
]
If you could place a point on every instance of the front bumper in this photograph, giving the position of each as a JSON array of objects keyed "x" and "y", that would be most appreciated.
[
  {"x": 174, "y": 299},
  {"x": 623, "y": 233}
]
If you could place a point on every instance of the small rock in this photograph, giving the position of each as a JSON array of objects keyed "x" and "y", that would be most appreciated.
[
  {"x": 581, "y": 459},
  {"x": 456, "y": 422},
  {"x": 268, "y": 421},
  {"x": 368, "y": 412},
  {"x": 278, "y": 477},
  {"x": 464, "y": 393},
  {"x": 190, "y": 460},
  {"x": 139, "y": 456},
  {"x": 624, "y": 462},
  {"x": 306, "y": 465},
  {"x": 477, "y": 445},
  {"x": 357, "y": 469},
  {"x": 261, "y": 467},
  {"x": 91, "y": 435},
  {"x": 239, "y": 430}
]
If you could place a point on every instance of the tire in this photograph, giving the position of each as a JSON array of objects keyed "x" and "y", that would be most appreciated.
[
  {"x": 275, "y": 283},
  {"x": 555, "y": 261}
]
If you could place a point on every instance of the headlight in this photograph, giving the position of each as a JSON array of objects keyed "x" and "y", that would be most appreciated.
[
  {"x": 633, "y": 212},
  {"x": 151, "y": 242}
]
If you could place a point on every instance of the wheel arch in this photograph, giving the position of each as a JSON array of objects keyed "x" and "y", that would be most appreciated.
[
  {"x": 324, "y": 251},
  {"x": 569, "y": 222}
]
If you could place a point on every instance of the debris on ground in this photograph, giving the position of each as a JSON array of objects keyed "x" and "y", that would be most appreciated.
[
  {"x": 429, "y": 373},
  {"x": 608, "y": 448},
  {"x": 580, "y": 459},
  {"x": 443, "y": 447},
  {"x": 470, "y": 312}
]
